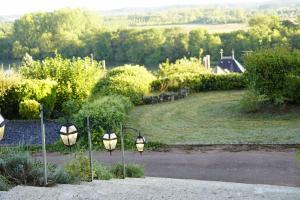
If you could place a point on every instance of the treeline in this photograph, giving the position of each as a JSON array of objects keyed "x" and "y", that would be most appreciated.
[
  {"x": 198, "y": 15},
  {"x": 79, "y": 33}
]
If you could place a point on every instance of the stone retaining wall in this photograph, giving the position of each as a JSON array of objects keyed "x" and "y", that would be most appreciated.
[{"x": 29, "y": 132}]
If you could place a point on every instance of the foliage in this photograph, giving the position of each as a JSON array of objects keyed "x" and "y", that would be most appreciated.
[
  {"x": 203, "y": 82},
  {"x": 70, "y": 107},
  {"x": 102, "y": 172},
  {"x": 253, "y": 102},
  {"x": 105, "y": 112},
  {"x": 275, "y": 74},
  {"x": 15, "y": 90},
  {"x": 4, "y": 184},
  {"x": 174, "y": 74},
  {"x": 79, "y": 167},
  {"x": 29, "y": 109},
  {"x": 131, "y": 170},
  {"x": 75, "y": 78},
  {"x": 22, "y": 169},
  {"x": 75, "y": 32},
  {"x": 42, "y": 34},
  {"x": 130, "y": 81}
]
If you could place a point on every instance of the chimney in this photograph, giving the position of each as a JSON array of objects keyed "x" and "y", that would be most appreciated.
[
  {"x": 208, "y": 61},
  {"x": 221, "y": 52},
  {"x": 233, "y": 54}
]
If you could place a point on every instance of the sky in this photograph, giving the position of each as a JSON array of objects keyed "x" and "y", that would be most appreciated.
[{"x": 11, "y": 7}]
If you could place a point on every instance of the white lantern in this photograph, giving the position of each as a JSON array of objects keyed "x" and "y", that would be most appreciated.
[
  {"x": 110, "y": 141},
  {"x": 140, "y": 143},
  {"x": 68, "y": 134},
  {"x": 2, "y": 126}
]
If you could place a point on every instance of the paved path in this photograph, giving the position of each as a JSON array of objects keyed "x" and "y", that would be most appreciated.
[
  {"x": 254, "y": 167},
  {"x": 154, "y": 188}
]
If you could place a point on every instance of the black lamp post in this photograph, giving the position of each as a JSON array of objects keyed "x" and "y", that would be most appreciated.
[
  {"x": 3, "y": 122},
  {"x": 110, "y": 142}
]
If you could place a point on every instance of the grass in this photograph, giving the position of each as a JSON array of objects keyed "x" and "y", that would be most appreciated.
[
  {"x": 214, "y": 118},
  {"x": 212, "y": 28}
]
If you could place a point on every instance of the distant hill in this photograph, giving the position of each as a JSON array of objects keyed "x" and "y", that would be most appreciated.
[
  {"x": 9, "y": 18},
  {"x": 275, "y": 4}
]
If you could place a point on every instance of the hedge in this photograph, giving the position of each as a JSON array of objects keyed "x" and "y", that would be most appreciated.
[
  {"x": 130, "y": 81},
  {"x": 42, "y": 91},
  {"x": 203, "y": 82},
  {"x": 275, "y": 73}
]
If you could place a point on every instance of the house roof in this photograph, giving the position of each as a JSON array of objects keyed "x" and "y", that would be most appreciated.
[{"x": 231, "y": 64}]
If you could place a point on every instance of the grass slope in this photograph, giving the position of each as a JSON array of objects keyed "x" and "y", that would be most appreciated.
[{"x": 214, "y": 118}]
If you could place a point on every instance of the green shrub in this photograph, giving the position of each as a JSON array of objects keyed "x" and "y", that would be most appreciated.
[
  {"x": 79, "y": 168},
  {"x": 42, "y": 91},
  {"x": 75, "y": 78},
  {"x": 129, "y": 81},
  {"x": 253, "y": 102},
  {"x": 131, "y": 170},
  {"x": 102, "y": 172},
  {"x": 71, "y": 107},
  {"x": 105, "y": 112},
  {"x": 23, "y": 169},
  {"x": 174, "y": 75},
  {"x": 204, "y": 82},
  {"x": 275, "y": 73},
  {"x": 29, "y": 109},
  {"x": 61, "y": 176},
  {"x": 4, "y": 184}
]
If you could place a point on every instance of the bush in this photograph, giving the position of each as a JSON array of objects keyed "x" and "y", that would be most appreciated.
[
  {"x": 102, "y": 172},
  {"x": 70, "y": 107},
  {"x": 253, "y": 102},
  {"x": 4, "y": 184},
  {"x": 275, "y": 73},
  {"x": 129, "y": 81},
  {"x": 29, "y": 109},
  {"x": 75, "y": 78},
  {"x": 131, "y": 170},
  {"x": 174, "y": 75},
  {"x": 204, "y": 82},
  {"x": 105, "y": 112},
  {"x": 42, "y": 91},
  {"x": 79, "y": 168},
  {"x": 23, "y": 169}
]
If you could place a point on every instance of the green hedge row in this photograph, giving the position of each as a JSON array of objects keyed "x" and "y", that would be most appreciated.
[
  {"x": 203, "y": 82},
  {"x": 18, "y": 93},
  {"x": 131, "y": 81}
]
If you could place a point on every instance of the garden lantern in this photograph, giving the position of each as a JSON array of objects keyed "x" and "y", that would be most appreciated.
[
  {"x": 140, "y": 143},
  {"x": 68, "y": 134},
  {"x": 2, "y": 126},
  {"x": 110, "y": 141}
]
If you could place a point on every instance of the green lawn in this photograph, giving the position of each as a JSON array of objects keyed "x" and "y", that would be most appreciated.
[{"x": 214, "y": 118}]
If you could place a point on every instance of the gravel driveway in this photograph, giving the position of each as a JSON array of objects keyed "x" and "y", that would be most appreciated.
[{"x": 154, "y": 188}]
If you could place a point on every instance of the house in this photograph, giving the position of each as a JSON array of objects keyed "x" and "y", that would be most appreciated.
[{"x": 229, "y": 63}]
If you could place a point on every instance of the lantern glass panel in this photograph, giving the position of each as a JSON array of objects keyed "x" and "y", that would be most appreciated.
[
  {"x": 70, "y": 139},
  {"x": 140, "y": 143},
  {"x": 1, "y": 119},
  {"x": 2, "y": 128},
  {"x": 110, "y": 141},
  {"x": 68, "y": 135}
]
